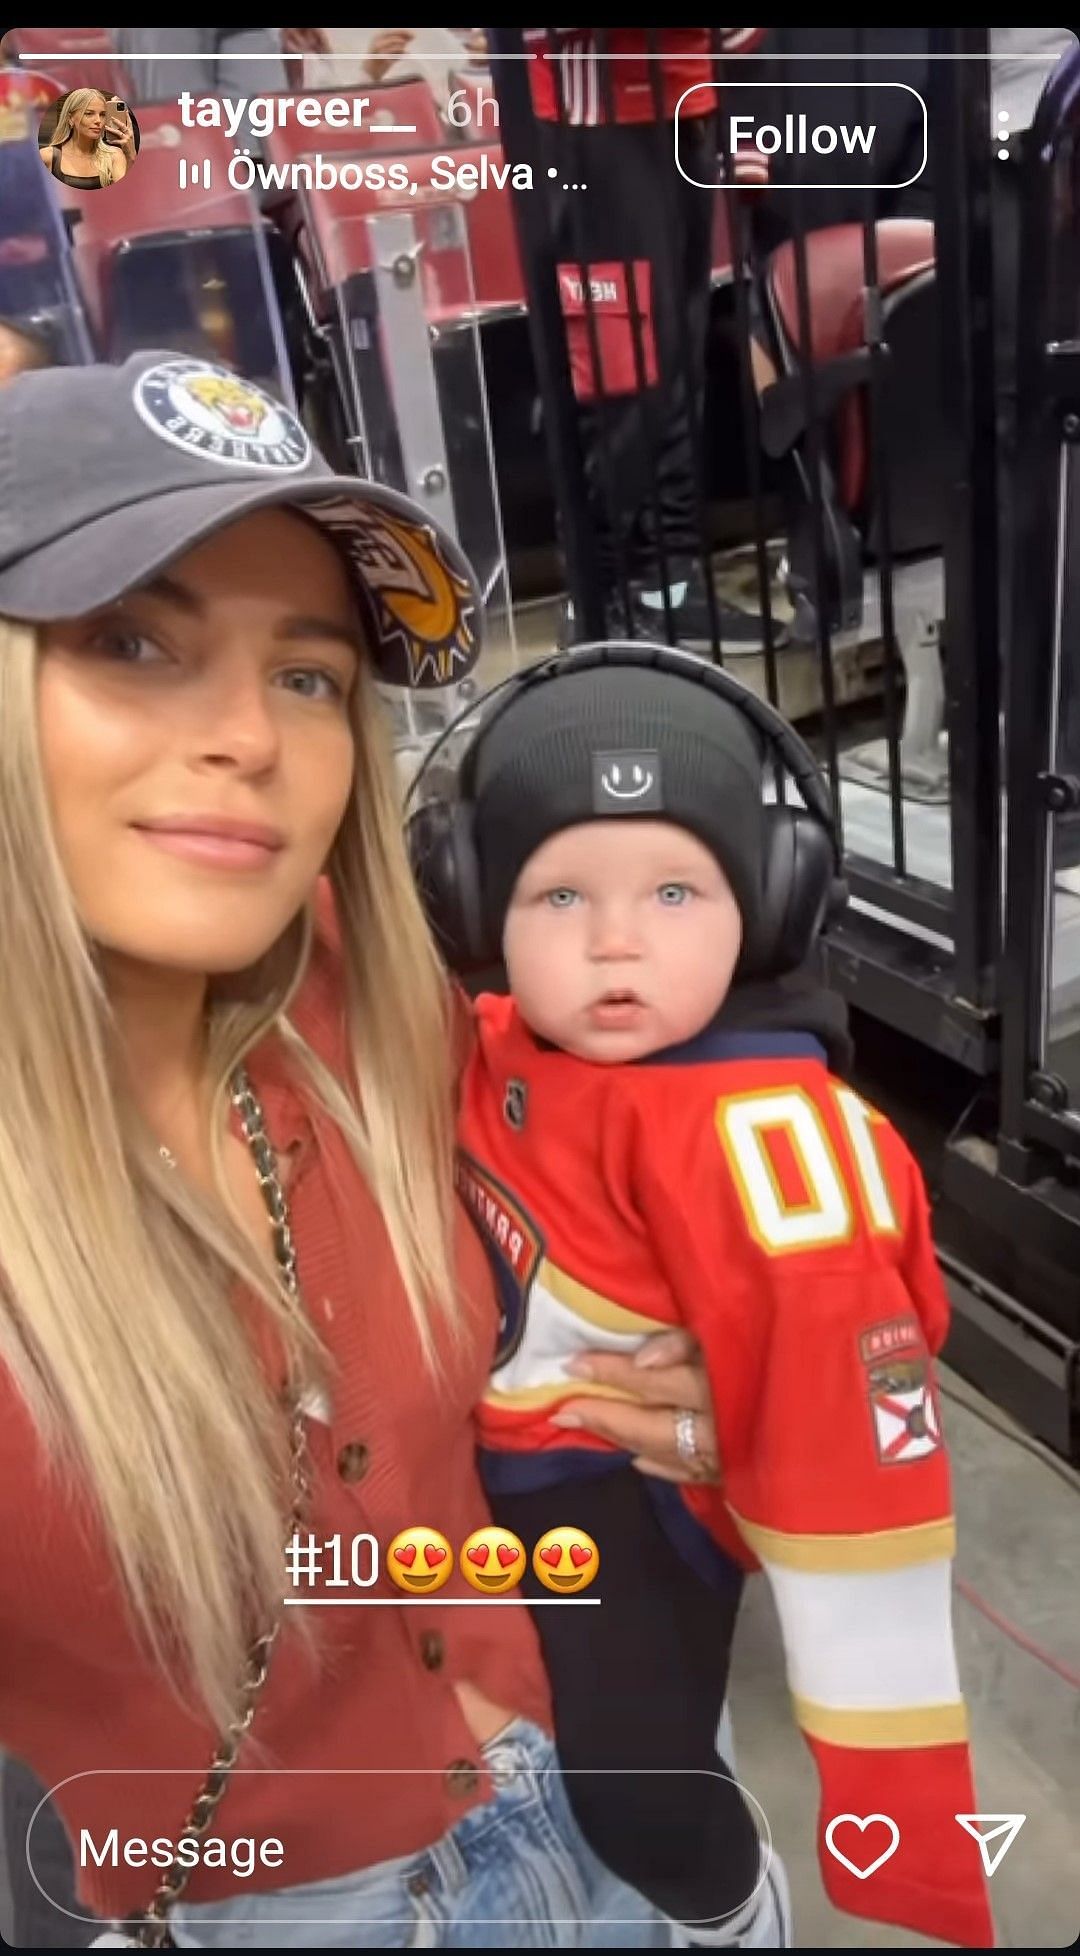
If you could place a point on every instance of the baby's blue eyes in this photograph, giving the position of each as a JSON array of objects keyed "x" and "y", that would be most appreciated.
[{"x": 670, "y": 895}]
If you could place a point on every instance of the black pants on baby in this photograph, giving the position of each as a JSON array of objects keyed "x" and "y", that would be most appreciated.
[{"x": 638, "y": 1688}]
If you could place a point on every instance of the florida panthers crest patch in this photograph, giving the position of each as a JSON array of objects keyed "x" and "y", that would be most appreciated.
[
  {"x": 221, "y": 417},
  {"x": 514, "y": 1246}
]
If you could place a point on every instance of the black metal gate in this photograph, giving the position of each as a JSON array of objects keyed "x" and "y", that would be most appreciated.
[
  {"x": 1014, "y": 1165},
  {"x": 1041, "y": 1042},
  {"x": 852, "y": 367},
  {"x": 888, "y": 493}
]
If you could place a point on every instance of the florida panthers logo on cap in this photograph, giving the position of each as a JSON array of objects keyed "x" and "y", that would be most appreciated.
[{"x": 220, "y": 417}]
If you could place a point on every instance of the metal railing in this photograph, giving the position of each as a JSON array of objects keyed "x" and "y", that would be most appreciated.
[
  {"x": 862, "y": 337},
  {"x": 1040, "y": 1085}
]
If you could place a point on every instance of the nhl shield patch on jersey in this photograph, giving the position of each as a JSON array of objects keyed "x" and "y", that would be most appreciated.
[{"x": 907, "y": 1425}]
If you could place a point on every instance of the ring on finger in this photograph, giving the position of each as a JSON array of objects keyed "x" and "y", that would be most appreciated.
[{"x": 686, "y": 1440}]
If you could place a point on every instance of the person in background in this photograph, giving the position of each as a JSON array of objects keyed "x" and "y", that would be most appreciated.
[
  {"x": 78, "y": 154},
  {"x": 378, "y": 57},
  {"x": 598, "y": 109}
]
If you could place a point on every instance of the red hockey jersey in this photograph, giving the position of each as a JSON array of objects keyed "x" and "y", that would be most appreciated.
[
  {"x": 734, "y": 1186},
  {"x": 569, "y": 83}
]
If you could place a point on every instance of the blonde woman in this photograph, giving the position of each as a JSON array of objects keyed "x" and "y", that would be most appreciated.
[
  {"x": 237, "y": 1295},
  {"x": 78, "y": 154}
]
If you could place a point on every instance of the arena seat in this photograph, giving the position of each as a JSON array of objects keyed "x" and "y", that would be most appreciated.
[
  {"x": 835, "y": 273},
  {"x": 348, "y": 342},
  {"x": 913, "y": 438},
  {"x": 337, "y": 243},
  {"x": 165, "y": 266}
]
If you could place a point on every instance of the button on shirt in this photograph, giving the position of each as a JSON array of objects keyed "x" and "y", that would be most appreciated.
[
  {"x": 390, "y": 1448},
  {"x": 353, "y": 1461}
]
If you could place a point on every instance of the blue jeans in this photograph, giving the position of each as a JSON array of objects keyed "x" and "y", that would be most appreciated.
[{"x": 515, "y": 1873}]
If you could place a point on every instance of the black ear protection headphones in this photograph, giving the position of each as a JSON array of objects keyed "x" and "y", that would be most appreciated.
[{"x": 801, "y": 885}]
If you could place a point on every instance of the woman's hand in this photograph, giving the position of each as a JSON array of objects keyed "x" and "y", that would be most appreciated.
[
  {"x": 387, "y": 47},
  {"x": 304, "y": 40},
  {"x": 669, "y": 1375}
]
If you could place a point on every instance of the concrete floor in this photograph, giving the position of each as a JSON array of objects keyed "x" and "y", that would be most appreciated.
[
  {"x": 1018, "y": 1525},
  {"x": 1019, "y": 1537}
]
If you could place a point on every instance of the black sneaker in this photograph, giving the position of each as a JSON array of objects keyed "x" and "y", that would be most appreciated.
[
  {"x": 616, "y": 625},
  {"x": 691, "y": 626},
  {"x": 691, "y": 619}
]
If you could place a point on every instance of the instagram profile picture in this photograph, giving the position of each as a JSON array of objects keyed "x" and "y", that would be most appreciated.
[{"x": 89, "y": 139}]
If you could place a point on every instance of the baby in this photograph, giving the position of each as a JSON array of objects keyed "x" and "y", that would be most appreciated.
[{"x": 651, "y": 1134}]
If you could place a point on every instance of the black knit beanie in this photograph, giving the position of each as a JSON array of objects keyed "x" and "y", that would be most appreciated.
[{"x": 625, "y": 742}]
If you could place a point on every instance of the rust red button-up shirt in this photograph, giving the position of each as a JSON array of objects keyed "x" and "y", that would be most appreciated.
[{"x": 80, "y": 1703}]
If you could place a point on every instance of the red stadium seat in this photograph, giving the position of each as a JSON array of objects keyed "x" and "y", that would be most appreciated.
[
  {"x": 914, "y": 437},
  {"x": 150, "y": 203},
  {"x": 905, "y": 250},
  {"x": 160, "y": 265},
  {"x": 339, "y": 243},
  {"x": 150, "y": 199}
]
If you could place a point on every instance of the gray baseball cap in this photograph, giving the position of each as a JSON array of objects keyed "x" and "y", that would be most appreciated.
[{"x": 109, "y": 473}]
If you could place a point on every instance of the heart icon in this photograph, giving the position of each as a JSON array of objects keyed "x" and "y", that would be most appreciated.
[
  {"x": 579, "y": 1555},
  {"x": 479, "y": 1554},
  {"x": 432, "y": 1555},
  {"x": 406, "y": 1554},
  {"x": 506, "y": 1554},
  {"x": 871, "y": 1820},
  {"x": 552, "y": 1556}
]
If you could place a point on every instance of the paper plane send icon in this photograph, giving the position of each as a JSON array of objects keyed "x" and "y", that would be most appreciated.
[{"x": 986, "y": 1828}]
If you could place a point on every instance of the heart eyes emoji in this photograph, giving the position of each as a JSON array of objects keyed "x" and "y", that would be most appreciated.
[
  {"x": 419, "y": 1561},
  {"x": 566, "y": 1560},
  {"x": 493, "y": 1561}
]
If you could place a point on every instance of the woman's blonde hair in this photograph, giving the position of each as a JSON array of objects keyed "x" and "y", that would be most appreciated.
[
  {"x": 74, "y": 105},
  {"x": 117, "y": 1281}
]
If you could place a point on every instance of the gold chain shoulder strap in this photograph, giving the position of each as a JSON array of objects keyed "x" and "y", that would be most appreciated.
[{"x": 150, "y": 1930}]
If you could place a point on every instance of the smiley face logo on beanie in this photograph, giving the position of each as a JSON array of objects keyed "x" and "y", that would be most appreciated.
[
  {"x": 640, "y": 783},
  {"x": 626, "y": 780}
]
